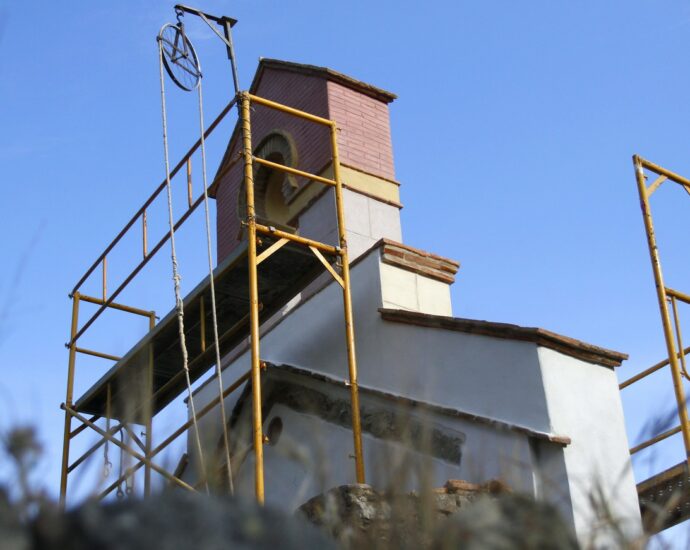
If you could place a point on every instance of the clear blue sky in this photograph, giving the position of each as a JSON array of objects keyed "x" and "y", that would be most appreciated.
[{"x": 513, "y": 134}]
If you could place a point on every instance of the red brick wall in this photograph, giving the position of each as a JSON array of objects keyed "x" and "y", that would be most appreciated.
[
  {"x": 302, "y": 92},
  {"x": 364, "y": 140}
]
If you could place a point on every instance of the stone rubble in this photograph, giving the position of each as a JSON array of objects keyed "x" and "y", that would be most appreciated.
[{"x": 459, "y": 515}]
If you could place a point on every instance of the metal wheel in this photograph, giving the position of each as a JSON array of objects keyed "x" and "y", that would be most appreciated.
[{"x": 179, "y": 57}]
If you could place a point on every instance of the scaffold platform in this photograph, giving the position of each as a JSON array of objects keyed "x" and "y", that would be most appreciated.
[
  {"x": 281, "y": 277},
  {"x": 665, "y": 498}
]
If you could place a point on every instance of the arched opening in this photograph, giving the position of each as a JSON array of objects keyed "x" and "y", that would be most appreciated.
[
  {"x": 268, "y": 191},
  {"x": 272, "y": 188}
]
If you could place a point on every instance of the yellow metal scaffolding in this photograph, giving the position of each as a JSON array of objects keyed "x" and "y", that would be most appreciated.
[
  {"x": 162, "y": 377},
  {"x": 671, "y": 485}
]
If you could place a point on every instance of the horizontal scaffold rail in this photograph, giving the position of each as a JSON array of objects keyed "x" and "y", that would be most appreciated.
[
  {"x": 660, "y": 170},
  {"x": 153, "y": 196}
]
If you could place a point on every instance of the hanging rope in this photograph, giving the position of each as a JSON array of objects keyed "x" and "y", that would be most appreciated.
[
  {"x": 179, "y": 304},
  {"x": 219, "y": 377}
]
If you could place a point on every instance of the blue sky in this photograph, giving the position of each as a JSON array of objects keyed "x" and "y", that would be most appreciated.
[{"x": 513, "y": 134}]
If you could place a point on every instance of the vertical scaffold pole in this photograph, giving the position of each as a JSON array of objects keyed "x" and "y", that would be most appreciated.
[
  {"x": 68, "y": 399},
  {"x": 347, "y": 303},
  {"x": 253, "y": 300},
  {"x": 148, "y": 414},
  {"x": 663, "y": 306}
]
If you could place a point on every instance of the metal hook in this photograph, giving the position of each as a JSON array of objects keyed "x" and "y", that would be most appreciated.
[
  {"x": 129, "y": 482},
  {"x": 179, "y": 14},
  {"x": 120, "y": 493}
]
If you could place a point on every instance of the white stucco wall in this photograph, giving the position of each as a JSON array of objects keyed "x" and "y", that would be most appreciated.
[
  {"x": 401, "y": 289},
  {"x": 584, "y": 401},
  {"x": 443, "y": 367},
  {"x": 513, "y": 381},
  {"x": 313, "y": 455},
  {"x": 366, "y": 220}
]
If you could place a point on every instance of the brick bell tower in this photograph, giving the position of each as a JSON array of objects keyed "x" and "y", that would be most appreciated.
[{"x": 370, "y": 191}]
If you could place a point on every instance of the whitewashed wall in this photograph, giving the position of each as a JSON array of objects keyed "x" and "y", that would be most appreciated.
[
  {"x": 583, "y": 401},
  {"x": 313, "y": 456},
  {"x": 512, "y": 381}
]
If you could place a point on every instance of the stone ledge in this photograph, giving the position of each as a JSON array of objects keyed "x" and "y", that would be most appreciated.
[{"x": 418, "y": 261}]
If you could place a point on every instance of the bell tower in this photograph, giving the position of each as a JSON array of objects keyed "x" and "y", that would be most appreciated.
[{"x": 292, "y": 203}]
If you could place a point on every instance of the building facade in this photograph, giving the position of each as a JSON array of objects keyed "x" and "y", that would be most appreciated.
[{"x": 442, "y": 397}]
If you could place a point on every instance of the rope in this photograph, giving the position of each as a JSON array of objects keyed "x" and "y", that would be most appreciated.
[
  {"x": 226, "y": 439},
  {"x": 179, "y": 305}
]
